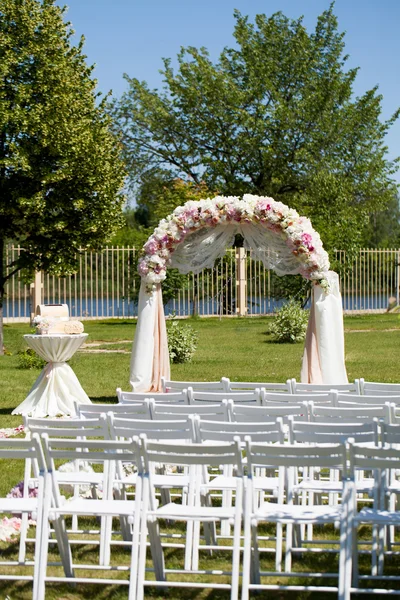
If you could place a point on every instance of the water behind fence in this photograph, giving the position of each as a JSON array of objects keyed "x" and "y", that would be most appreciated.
[{"x": 106, "y": 285}]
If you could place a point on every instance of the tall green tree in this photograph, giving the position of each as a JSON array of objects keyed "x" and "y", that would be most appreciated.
[
  {"x": 61, "y": 172},
  {"x": 275, "y": 115}
]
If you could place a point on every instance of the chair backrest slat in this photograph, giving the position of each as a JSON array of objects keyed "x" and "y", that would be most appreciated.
[
  {"x": 301, "y": 388},
  {"x": 268, "y": 386},
  {"x": 252, "y": 397},
  {"x": 217, "y": 431},
  {"x": 169, "y": 385},
  {"x": 132, "y": 397}
]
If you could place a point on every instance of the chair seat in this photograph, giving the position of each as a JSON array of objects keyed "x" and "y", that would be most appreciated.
[
  {"x": 224, "y": 482},
  {"x": 201, "y": 513},
  {"x": 363, "y": 485},
  {"x": 165, "y": 481},
  {"x": 82, "y": 506},
  {"x": 299, "y": 513},
  {"x": 18, "y": 505},
  {"x": 386, "y": 517},
  {"x": 79, "y": 477}
]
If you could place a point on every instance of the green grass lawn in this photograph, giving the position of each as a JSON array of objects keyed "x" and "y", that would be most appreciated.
[{"x": 239, "y": 348}]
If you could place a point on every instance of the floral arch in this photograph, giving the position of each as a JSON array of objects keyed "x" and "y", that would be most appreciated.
[{"x": 195, "y": 235}]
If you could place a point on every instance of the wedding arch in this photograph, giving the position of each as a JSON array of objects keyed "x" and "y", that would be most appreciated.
[{"x": 194, "y": 235}]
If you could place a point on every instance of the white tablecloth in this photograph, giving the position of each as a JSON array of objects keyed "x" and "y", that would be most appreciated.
[{"x": 57, "y": 386}]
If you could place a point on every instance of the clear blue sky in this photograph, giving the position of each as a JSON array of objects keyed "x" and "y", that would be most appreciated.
[{"x": 132, "y": 36}]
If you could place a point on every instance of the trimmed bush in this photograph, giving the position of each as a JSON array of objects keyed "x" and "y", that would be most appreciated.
[
  {"x": 290, "y": 323},
  {"x": 182, "y": 342},
  {"x": 28, "y": 359}
]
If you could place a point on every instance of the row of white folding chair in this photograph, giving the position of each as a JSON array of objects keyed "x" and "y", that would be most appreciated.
[
  {"x": 144, "y": 512},
  {"x": 224, "y": 385},
  {"x": 360, "y": 457},
  {"x": 290, "y": 514},
  {"x": 76, "y": 508},
  {"x": 190, "y": 396},
  {"x": 359, "y": 386}
]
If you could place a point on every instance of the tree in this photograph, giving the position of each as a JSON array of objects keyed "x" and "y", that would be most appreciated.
[
  {"x": 61, "y": 172},
  {"x": 383, "y": 229},
  {"x": 276, "y": 116}
]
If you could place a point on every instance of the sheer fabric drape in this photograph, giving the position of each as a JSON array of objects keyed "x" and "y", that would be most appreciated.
[{"x": 201, "y": 249}]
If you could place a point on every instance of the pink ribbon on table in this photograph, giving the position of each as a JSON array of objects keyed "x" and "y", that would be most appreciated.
[{"x": 49, "y": 368}]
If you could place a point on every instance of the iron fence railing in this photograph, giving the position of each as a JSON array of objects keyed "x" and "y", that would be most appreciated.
[{"x": 106, "y": 285}]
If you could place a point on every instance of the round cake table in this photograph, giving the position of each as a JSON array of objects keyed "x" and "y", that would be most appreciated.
[{"x": 57, "y": 386}]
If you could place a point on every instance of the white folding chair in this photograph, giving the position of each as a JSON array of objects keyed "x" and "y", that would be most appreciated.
[
  {"x": 57, "y": 508},
  {"x": 80, "y": 474},
  {"x": 289, "y": 459},
  {"x": 169, "y": 385},
  {"x": 24, "y": 450},
  {"x": 177, "y": 397},
  {"x": 249, "y": 397},
  {"x": 301, "y": 388},
  {"x": 182, "y": 431},
  {"x": 313, "y": 484},
  {"x": 376, "y": 388},
  {"x": 215, "y": 431},
  {"x": 381, "y": 461},
  {"x": 197, "y": 458},
  {"x": 241, "y": 386}
]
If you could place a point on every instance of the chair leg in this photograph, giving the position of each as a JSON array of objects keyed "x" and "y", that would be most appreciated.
[
  {"x": 246, "y": 551},
  {"x": 156, "y": 550},
  {"x": 23, "y": 537},
  {"x": 354, "y": 558},
  {"x": 63, "y": 545},
  {"x": 255, "y": 557},
  {"x": 289, "y": 546},
  {"x": 236, "y": 548},
  {"x": 279, "y": 547}
]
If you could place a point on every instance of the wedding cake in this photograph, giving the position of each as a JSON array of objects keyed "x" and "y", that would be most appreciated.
[{"x": 54, "y": 319}]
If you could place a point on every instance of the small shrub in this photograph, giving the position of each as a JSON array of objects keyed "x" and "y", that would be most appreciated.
[
  {"x": 182, "y": 342},
  {"x": 290, "y": 323},
  {"x": 28, "y": 359}
]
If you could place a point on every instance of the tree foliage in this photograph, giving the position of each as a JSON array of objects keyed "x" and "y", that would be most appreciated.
[
  {"x": 275, "y": 115},
  {"x": 61, "y": 172}
]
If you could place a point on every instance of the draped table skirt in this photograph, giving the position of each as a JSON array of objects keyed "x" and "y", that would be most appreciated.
[{"x": 57, "y": 387}]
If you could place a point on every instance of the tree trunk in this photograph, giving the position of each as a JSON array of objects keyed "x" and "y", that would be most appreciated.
[{"x": 2, "y": 266}]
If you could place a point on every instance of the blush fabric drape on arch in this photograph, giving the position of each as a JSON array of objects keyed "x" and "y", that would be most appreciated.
[{"x": 323, "y": 358}]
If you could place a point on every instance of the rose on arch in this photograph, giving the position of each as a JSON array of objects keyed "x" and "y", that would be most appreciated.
[{"x": 297, "y": 232}]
